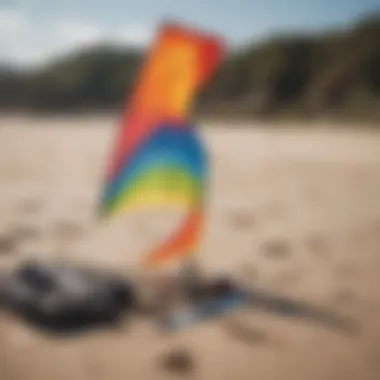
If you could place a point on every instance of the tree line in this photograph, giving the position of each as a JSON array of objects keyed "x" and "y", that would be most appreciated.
[{"x": 331, "y": 73}]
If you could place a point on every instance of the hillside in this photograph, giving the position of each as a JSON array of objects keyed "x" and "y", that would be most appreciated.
[{"x": 335, "y": 73}]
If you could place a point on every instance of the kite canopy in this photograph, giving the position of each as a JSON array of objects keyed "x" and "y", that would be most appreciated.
[{"x": 158, "y": 158}]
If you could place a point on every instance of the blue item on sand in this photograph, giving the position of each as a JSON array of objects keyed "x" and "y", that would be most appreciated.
[{"x": 214, "y": 307}]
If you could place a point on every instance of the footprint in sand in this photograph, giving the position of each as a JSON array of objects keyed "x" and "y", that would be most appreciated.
[
  {"x": 10, "y": 240},
  {"x": 276, "y": 210},
  {"x": 318, "y": 246},
  {"x": 249, "y": 271},
  {"x": 67, "y": 230},
  {"x": 376, "y": 226},
  {"x": 29, "y": 206},
  {"x": 343, "y": 297},
  {"x": 8, "y": 244},
  {"x": 276, "y": 249},
  {"x": 241, "y": 220},
  {"x": 289, "y": 278},
  {"x": 178, "y": 361},
  {"x": 346, "y": 270},
  {"x": 25, "y": 232}
]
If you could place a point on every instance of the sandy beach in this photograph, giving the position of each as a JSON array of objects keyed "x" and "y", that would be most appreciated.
[{"x": 293, "y": 211}]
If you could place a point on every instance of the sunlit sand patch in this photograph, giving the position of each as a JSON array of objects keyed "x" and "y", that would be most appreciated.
[{"x": 341, "y": 272}]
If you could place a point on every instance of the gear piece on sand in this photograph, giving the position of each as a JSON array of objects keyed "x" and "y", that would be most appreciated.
[{"x": 63, "y": 297}]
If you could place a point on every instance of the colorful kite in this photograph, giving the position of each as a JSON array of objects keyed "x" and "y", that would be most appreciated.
[{"x": 158, "y": 158}]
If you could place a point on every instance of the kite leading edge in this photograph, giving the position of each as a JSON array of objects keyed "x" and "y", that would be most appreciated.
[{"x": 158, "y": 158}]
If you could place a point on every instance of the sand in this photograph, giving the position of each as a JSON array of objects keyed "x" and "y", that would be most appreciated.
[{"x": 294, "y": 211}]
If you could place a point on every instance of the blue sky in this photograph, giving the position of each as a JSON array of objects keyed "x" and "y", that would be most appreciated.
[{"x": 31, "y": 31}]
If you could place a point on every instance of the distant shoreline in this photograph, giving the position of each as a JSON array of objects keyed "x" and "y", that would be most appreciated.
[{"x": 113, "y": 118}]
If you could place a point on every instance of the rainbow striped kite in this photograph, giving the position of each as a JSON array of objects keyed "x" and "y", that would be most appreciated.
[{"x": 158, "y": 158}]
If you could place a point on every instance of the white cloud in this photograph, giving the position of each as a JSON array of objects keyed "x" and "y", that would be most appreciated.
[
  {"x": 12, "y": 23},
  {"x": 25, "y": 41},
  {"x": 73, "y": 33},
  {"x": 14, "y": 28},
  {"x": 134, "y": 35}
]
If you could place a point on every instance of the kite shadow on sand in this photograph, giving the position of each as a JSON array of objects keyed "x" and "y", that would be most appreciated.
[{"x": 65, "y": 300}]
